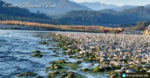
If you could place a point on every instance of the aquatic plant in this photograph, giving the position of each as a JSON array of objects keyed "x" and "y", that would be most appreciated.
[
  {"x": 79, "y": 62},
  {"x": 91, "y": 58},
  {"x": 85, "y": 69},
  {"x": 133, "y": 67},
  {"x": 70, "y": 74},
  {"x": 96, "y": 69},
  {"x": 43, "y": 42},
  {"x": 73, "y": 66},
  {"x": 95, "y": 49},
  {"x": 26, "y": 74},
  {"x": 37, "y": 53},
  {"x": 61, "y": 61},
  {"x": 39, "y": 77},
  {"x": 55, "y": 67},
  {"x": 53, "y": 74}
]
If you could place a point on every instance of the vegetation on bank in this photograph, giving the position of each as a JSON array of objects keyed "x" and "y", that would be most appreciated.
[{"x": 63, "y": 27}]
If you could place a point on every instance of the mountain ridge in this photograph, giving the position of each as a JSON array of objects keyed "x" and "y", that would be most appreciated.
[
  {"x": 101, "y": 6},
  {"x": 110, "y": 17}
]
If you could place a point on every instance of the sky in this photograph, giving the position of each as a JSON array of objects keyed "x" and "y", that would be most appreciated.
[{"x": 118, "y": 2}]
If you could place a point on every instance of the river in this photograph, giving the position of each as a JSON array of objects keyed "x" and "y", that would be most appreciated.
[{"x": 16, "y": 47}]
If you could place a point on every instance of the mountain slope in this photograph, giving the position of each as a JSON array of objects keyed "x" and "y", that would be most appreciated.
[
  {"x": 55, "y": 7},
  {"x": 100, "y": 6},
  {"x": 16, "y": 11},
  {"x": 107, "y": 17},
  {"x": 22, "y": 14}
]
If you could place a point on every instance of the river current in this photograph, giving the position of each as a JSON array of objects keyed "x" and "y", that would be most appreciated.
[{"x": 16, "y": 47}]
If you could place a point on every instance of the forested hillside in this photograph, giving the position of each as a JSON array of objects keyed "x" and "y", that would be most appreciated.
[{"x": 107, "y": 17}]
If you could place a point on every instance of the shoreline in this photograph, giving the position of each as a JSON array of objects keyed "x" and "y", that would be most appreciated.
[
  {"x": 105, "y": 55},
  {"x": 115, "y": 59}
]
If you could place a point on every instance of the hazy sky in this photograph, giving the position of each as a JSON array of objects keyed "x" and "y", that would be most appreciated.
[{"x": 118, "y": 2}]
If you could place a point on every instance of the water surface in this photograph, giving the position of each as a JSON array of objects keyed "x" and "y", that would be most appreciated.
[{"x": 15, "y": 54}]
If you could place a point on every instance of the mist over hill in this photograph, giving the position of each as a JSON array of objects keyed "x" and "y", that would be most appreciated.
[{"x": 101, "y": 6}]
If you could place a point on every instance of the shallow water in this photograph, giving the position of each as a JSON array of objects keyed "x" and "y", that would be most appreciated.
[{"x": 15, "y": 54}]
